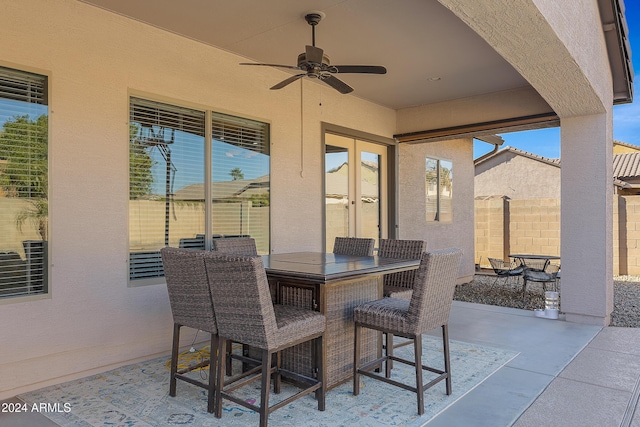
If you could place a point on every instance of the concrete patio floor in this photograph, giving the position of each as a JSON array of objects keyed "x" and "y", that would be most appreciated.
[{"x": 565, "y": 374}]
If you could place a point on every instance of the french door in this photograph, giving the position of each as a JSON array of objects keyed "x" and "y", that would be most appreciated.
[{"x": 355, "y": 189}]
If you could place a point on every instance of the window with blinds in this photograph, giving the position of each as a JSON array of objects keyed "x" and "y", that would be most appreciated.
[
  {"x": 240, "y": 203},
  {"x": 172, "y": 190},
  {"x": 23, "y": 183}
]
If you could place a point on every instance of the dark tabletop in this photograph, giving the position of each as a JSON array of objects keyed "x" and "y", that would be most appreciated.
[
  {"x": 327, "y": 267},
  {"x": 533, "y": 256}
]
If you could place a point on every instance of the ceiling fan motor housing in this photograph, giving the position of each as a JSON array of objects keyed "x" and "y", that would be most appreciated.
[{"x": 302, "y": 60}]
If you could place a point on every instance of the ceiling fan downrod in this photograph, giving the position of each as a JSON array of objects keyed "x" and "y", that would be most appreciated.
[{"x": 313, "y": 19}]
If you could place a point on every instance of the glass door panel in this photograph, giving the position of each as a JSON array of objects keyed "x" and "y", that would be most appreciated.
[
  {"x": 338, "y": 182},
  {"x": 354, "y": 189}
]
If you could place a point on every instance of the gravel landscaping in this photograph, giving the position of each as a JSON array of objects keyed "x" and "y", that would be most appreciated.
[{"x": 626, "y": 309}]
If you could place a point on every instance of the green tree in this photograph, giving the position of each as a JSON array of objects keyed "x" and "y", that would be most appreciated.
[
  {"x": 24, "y": 172},
  {"x": 140, "y": 164},
  {"x": 236, "y": 174}
]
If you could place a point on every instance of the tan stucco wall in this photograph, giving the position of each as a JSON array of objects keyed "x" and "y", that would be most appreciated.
[
  {"x": 622, "y": 149},
  {"x": 413, "y": 223},
  {"x": 95, "y": 60},
  {"x": 517, "y": 177}
]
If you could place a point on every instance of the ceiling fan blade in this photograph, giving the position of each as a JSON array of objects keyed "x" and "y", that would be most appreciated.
[
  {"x": 314, "y": 54},
  {"x": 288, "y": 81},
  {"x": 270, "y": 65},
  {"x": 366, "y": 69},
  {"x": 336, "y": 83}
]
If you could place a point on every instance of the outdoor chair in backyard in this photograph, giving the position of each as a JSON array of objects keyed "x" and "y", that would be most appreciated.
[
  {"x": 191, "y": 306},
  {"x": 236, "y": 245},
  {"x": 505, "y": 269},
  {"x": 356, "y": 246},
  {"x": 242, "y": 246},
  {"x": 246, "y": 314},
  {"x": 400, "y": 285},
  {"x": 428, "y": 309},
  {"x": 548, "y": 275}
]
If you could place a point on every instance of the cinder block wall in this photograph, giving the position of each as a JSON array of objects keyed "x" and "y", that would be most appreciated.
[
  {"x": 490, "y": 230},
  {"x": 535, "y": 226},
  {"x": 504, "y": 226},
  {"x": 626, "y": 237}
]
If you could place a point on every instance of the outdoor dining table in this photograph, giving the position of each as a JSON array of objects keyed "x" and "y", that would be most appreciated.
[
  {"x": 333, "y": 285},
  {"x": 524, "y": 257}
]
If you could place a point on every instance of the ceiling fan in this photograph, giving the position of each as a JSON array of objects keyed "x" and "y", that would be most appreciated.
[{"x": 314, "y": 63}]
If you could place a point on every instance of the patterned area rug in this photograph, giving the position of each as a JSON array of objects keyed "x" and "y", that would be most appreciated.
[{"x": 138, "y": 395}]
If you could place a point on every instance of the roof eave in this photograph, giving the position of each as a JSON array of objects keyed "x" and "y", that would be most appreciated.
[{"x": 614, "y": 25}]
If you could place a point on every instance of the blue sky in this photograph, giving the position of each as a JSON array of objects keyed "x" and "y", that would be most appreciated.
[{"x": 626, "y": 117}]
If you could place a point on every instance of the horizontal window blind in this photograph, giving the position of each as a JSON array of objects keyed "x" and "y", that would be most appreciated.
[
  {"x": 241, "y": 178},
  {"x": 159, "y": 116},
  {"x": 23, "y": 183},
  {"x": 243, "y": 133},
  {"x": 166, "y": 182},
  {"x": 167, "y": 197}
]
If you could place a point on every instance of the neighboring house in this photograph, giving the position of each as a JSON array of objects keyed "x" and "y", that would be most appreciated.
[
  {"x": 518, "y": 174},
  {"x": 146, "y": 97},
  {"x": 626, "y": 171}
]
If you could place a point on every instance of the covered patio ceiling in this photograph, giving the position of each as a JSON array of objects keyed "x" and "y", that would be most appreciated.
[{"x": 431, "y": 55}]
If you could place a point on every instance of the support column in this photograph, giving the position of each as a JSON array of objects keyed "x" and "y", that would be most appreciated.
[{"x": 587, "y": 218}]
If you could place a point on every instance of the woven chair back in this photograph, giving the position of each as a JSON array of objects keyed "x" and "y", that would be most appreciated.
[
  {"x": 241, "y": 298},
  {"x": 188, "y": 287},
  {"x": 401, "y": 249},
  {"x": 433, "y": 290},
  {"x": 236, "y": 245},
  {"x": 356, "y": 246}
]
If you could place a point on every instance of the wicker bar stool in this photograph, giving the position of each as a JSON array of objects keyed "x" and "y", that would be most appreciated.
[
  {"x": 356, "y": 246},
  {"x": 191, "y": 306},
  {"x": 400, "y": 285},
  {"x": 246, "y": 314},
  {"x": 236, "y": 245},
  {"x": 242, "y": 246},
  {"x": 428, "y": 309}
]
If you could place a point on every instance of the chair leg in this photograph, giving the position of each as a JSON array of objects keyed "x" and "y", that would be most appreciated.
[
  {"x": 320, "y": 393},
  {"x": 524, "y": 290},
  {"x": 417, "y": 346},
  {"x": 277, "y": 378},
  {"x": 213, "y": 358},
  {"x": 388, "y": 363},
  {"x": 264, "y": 389},
  {"x": 174, "y": 359},
  {"x": 228, "y": 364},
  {"x": 220, "y": 364},
  {"x": 356, "y": 360},
  {"x": 447, "y": 357}
]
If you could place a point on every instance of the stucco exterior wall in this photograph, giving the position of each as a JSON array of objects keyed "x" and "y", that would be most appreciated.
[
  {"x": 517, "y": 177},
  {"x": 95, "y": 60},
  {"x": 412, "y": 209}
]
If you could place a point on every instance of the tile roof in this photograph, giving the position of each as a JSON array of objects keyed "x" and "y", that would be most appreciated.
[
  {"x": 554, "y": 162},
  {"x": 626, "y": 144},
  {"x": 626, "y": 165}
]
